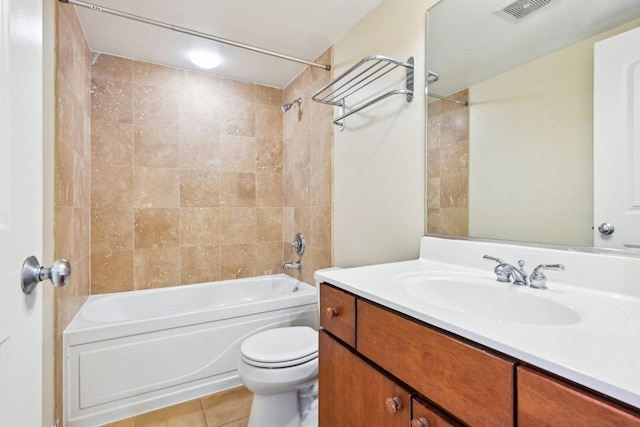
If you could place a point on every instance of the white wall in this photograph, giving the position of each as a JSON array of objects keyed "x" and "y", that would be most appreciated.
[
  {"x": 531, "y": 177},
  {"x": 379, "y": 159}
]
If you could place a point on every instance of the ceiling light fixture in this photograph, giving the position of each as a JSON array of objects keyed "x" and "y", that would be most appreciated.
[{"x": 205, "y": 59}]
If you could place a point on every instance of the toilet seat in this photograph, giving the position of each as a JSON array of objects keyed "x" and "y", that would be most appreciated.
[{"x": 280, "y": 347}]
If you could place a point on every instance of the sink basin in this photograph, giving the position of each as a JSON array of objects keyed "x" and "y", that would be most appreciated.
[{"x": 487, "y": 298}]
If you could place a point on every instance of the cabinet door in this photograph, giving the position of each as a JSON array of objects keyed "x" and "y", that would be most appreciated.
[
  {"x": 338, "y": 313},
  {"x": 473, "y": 385},
  {"x": 354, "y": 394},
  {"x": 546, "y": 401},
  {"x": 426, "y": 416}
]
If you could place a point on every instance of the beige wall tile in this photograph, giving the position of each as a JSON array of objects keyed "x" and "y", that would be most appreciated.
[
  {"x": 269, "y": 96},
  {"x": 302, "y": 187},
  {"x": 269, "y": 190},
  {"x": 238, "y": 225},
  {"x": 111, "y": 229},
  {"x": 433, "y": 162},
  {"x": 238, "y": 117},
  {"x": 237, "y": 154},
  {"x": 111, "y": 186},
  {"x": 156, "y": 187},
  {"x": 198, "y": 110},
  {"x": 238, "y": 189},
  {"x": 111, "y": 143},
  {"x": 199, "y": 226},
  {"x": 64, "y": 186},
  {"x": 111, "y": 271},
  {"x": 199, "y": 149},
  {"x": 194, "y": 82},
  {"x": 269, "y": 258},
  {"x": 111, "y": 100},
  {"x": 269, "y": 155},
  {"x": 238, "y": 90},
  {"x": 111, "y": 67},
  {"x": 320, "y": 185},
  {"x": 269, "y": 122},
  {"x": 269, "y": 224},
  {"x": 199, "y": 264},
  {"x": 454, "y": 191},
  {"x": 320, "y": 236},
  {"x": 148, "y": 74},
  {"x": 157, "y": 146},
  {"x": 238, "y": 261},
  {"x": 433, "y": 193},
  {"x": 156, "y": 268},
  {"x": 156, "y": 228},
  {"x": 199, "y": 188},
  {"x": 155, "y": 106}
]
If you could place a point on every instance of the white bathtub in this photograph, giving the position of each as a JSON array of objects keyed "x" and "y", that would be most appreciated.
[{"x": 132, "y": 352}]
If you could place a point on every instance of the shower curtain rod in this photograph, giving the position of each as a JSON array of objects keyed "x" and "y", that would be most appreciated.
[{"x": 194, "y": 33}]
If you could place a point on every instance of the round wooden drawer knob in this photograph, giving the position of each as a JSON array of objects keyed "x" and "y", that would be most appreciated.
[
  {"x": 332, "y": 312},
  {"x": 420, "y": 422},
  {"x": 394, "y": 404}
]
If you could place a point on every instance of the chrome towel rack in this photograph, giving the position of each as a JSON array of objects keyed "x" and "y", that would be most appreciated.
[{"x": 357, "y": 77}]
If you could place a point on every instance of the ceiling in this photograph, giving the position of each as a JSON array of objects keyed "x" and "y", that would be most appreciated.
[
  {"x": 468, "y": 42},
  {"x": 299, "y": 28}
]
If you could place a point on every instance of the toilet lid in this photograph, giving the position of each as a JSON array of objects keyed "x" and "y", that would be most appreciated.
[{"x": 281, "y": 347}]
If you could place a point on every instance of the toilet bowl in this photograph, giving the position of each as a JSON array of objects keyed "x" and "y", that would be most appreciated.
[{"x": 275, "y": 364}]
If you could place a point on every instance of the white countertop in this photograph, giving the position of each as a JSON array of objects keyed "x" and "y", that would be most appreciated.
[{"x": 601, "y": 351}]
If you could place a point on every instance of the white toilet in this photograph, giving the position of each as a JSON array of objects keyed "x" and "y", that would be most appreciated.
[{"x": 275, "y": 364}]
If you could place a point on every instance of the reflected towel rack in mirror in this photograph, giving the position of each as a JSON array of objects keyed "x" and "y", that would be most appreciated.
[{"x": 362, "y": 74}]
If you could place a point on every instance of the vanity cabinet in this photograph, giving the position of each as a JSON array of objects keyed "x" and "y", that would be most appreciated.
[
  {"x": 474, "y": 385},
  {"x": 382, "y": 368},
  {"x": 547, "y": 401},
  {"x": 354, "y": 393}
]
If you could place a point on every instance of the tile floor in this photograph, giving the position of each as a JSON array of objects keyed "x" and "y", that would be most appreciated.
[{"x": 229, "y": 408}]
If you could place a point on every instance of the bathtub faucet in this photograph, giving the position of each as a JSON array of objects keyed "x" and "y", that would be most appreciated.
[{"x": 297, "y": 265}]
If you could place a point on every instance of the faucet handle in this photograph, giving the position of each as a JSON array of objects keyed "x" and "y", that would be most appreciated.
[
  {"x": 538, "y": 279},
  {"x": 489, "y": 257}
]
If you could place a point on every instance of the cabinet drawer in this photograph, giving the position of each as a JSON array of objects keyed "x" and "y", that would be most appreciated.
[
  {"x": 425, "y": 416},
  {"x": 476, "y": 386},
  {"x": 546, "y": 401},
  {"x": 354, "y": 394},
  {"x": 338, "y": 313}
]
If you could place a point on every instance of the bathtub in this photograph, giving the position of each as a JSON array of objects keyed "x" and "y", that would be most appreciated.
[{"x": 132, "y": 352}]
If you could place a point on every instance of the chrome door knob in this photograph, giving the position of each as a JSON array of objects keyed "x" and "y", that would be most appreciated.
[
  {"x": 606, "y": 228},
  {"x": 32, "y": 273}
]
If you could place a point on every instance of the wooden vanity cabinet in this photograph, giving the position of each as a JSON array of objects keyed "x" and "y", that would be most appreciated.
[
  {"x": 354, "y": 394},
  {"x": 424, "y": 415},
  {"x": 338, "y": 313},
  {"x": 379, "y": 367},
  {"x": 547, "y": 401},
  {"x": 476, "y": 386}
]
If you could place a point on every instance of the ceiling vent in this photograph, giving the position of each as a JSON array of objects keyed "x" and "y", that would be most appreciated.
[{"x": 520, "y": 9}]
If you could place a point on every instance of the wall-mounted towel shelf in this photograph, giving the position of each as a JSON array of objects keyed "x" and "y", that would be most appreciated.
[{"x": 362, "y": 74}]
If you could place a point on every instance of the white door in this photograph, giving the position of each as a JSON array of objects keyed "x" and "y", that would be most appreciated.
[
  {"x": 21, "y": 221},
  {"x": 617, "y": 141}
]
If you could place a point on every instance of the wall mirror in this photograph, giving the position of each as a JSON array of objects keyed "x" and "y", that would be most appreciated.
[{"x": 516, "y": 162}]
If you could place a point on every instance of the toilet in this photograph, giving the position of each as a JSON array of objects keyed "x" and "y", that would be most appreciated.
[{"x": 275, "y": 365}]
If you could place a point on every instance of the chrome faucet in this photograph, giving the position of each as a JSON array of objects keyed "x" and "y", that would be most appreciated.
[
  {"x": 298, "y": 245},
  {"x": 296, "y": 265},
  {"x": 507, "y": 273}
]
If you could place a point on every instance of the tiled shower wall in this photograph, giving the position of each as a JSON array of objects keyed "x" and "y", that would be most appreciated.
[
  {"x": 308, "y": 170},
  {"x": 72, "y": 176},
  {"x": 186, "y": 177},
  {"x": 448, "y": 166}
]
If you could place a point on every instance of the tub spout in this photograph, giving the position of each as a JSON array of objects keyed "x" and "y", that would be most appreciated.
[{"x": 292, "y": 265}]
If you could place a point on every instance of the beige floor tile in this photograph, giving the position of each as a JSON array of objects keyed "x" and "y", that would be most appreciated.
[
  {"x": 244, "y": 422},
  {"x": 227, "y": 407},
  {"x": 188, "y": 414},
  {"x": 129, "y": 422}
]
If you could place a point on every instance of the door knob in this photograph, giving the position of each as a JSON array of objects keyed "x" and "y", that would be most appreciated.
[
  {"x": 33, "y": 273},
  {"x": 606, "y": 228}
]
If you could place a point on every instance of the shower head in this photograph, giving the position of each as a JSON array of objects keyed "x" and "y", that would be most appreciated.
[{"x": 286, "y": 107}]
